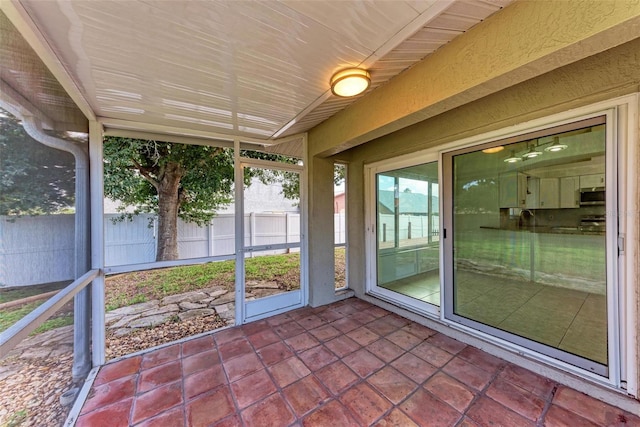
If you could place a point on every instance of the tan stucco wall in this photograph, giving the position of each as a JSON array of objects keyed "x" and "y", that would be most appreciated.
[{"x": 522, "y": 41}]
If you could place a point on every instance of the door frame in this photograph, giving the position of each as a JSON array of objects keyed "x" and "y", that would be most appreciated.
[
  {"x": 622, "y": 302},
  {"x": 371, "y": 236},
  {"x": 249, "y": 311}
]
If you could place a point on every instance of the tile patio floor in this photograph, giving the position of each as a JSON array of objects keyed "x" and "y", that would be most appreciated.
[{"x": 346, "y": 364}]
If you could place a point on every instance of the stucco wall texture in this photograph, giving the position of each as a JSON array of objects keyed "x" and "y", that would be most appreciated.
[{"x": 524, "y": 40}]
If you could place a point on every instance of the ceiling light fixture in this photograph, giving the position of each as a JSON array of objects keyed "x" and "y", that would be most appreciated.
[
  {"x": 493, "y": 149},
  {"x": 532, "y": 153},
  {"x": 350, "y": 82},
  {"x": 556, "y": 146},
  {"x": 513, "y": 158}
]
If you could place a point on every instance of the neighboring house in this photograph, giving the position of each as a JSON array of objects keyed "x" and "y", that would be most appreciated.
[
  {"x": 339, "y": 202},
  {"x": 409, "y": 203}
]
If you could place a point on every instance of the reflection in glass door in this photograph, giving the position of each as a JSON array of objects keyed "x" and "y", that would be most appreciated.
[
  {"x": 528, "y": 248},
  {"x": 407, "y": 224}
]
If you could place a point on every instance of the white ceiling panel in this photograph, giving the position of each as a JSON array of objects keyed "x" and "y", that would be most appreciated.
[
  {"x": 242, "y": 68},
  {"x": 372, "y": 23}
]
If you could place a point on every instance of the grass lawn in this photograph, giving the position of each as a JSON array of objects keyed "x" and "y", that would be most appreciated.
[
  {"x": 141, "y": 286},
  {"x": 11, "y": 315},
  {"x": 136, "y": 287}
]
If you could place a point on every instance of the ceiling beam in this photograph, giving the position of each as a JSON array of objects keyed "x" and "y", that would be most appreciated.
[
  {"x": 127, "y": 125},
  {"x": 178, "y": 139}
]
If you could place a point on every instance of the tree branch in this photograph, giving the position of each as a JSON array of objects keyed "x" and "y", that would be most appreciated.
[{"x": 146, "y": 175}]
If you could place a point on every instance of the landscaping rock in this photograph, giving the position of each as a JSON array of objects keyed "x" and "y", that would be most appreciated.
[
  {"x": 147, "y": 322},
  {"x": 189, "y": 296},
  {"x": 218, "y": 292},
  {"x": 184, "y": 306},
  {"x": 36, "y": 353},
  {"x": 124, "y": 331},
  {"x": 225, "y": 298},
  {"x": 263, "y": 284},
  {"x": 136, "y": 308},
  {"x": 171, "y": 308},
  {"x": 201, "y": 312},
  {"x": 124, "y": 321}
]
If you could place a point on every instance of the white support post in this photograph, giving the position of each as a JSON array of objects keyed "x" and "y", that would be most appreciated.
[
  {"x": 96, "y": 180},
  {"x": 239, "y": 227}
]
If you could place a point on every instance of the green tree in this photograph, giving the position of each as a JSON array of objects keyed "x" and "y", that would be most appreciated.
[
  {"x": 34, "y": 179},
  {"x": 190, "y": 182}
]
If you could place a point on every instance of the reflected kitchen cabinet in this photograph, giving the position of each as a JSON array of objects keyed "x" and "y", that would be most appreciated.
[
  {"x": 549, "y": 193},
  {"x": 570, "y": 192},
  {"x": 592, "y": 181}
]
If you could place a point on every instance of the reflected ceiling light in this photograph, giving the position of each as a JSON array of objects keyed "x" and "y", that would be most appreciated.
[
  {"x": 556, "y": 146},
  {"x": 350, "y": 82},
  {"x": 513, "y": 158},
  {"x": 493, "y": 149},
  {"x": 532, "y": 153}
]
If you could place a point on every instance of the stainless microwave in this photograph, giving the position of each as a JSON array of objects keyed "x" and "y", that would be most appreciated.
[{"x": 592, "y": 196}]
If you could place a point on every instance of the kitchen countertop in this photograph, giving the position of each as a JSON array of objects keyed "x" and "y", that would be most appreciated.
[{"x": 550, "y": 230}]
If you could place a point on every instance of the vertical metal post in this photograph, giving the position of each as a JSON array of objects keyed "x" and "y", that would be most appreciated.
[
  {"x": 239, "y": 227},
  {"x": 97, "y": 243},
  {"x": 82, "y": 300}
]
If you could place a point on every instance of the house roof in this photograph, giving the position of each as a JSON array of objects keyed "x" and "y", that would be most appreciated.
[
  {"x": 410, "y": 203},
  {"x": 258, "y": 70}
]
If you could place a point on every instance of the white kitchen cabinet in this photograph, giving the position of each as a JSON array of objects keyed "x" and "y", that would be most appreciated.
[
  {"x": 570, "y": 192},
  {"x": 549, "y": 193},
  {"x": 513, "y": 190},
  {"x": 591, "y": 181}
]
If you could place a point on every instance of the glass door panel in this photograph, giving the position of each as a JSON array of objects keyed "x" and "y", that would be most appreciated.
[
  {"x": 529, "y": 252},
  {"x": 407, "y": 224}
]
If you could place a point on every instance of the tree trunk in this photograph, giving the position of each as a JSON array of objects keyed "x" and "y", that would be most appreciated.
[{"x": 168, "y": 205}]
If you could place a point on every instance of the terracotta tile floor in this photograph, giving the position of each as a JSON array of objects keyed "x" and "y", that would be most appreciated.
[{"x": 347, "y": 364}]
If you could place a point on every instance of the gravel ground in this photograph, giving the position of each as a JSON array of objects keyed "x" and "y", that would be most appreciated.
[
  {"x": 30, "y": 393},
  {"x": 30, "y": 389},
  {"x": 147, "y": 338}
]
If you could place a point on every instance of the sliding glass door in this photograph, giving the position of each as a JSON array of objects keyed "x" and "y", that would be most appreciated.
[
  {"x": 407, "y": 224},
  {"x": 531, "y": 250}
]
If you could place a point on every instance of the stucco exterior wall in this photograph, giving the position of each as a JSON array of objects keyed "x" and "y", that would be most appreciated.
[{"x": 524, "y": 40}]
